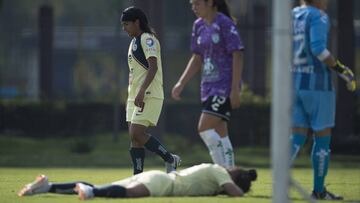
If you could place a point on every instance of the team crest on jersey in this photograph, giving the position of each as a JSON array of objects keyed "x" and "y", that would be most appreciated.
[
  {"x": 149, "y": 42},
  {"x": 215, "y": 38},
  {"x": 134, "y": 47}
]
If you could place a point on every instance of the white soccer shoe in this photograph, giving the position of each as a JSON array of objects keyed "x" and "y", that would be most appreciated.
[
  {"x": 170, "y": 167},
  {"x": 84, "y": 191},
  {"x": 40, "y": 185}
]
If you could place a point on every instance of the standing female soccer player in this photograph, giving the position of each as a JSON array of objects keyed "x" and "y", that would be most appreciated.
[
  {"x": 145, "y": 89},
  {"x": 314, "y": 95},
  {"x": 217, "y": 50}
]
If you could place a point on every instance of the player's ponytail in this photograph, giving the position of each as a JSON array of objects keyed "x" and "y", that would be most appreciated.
[
  {"x": 222, "y": 7},
  {"x": 308, "y": 1},
  {"x": 132, "y": 14}
]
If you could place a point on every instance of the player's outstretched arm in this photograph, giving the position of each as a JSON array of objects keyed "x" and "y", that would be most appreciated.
[{"x": 232, "y": 190}]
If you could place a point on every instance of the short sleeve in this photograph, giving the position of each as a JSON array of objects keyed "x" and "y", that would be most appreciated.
[
  {"x": 221, "y": 175},
  {"x": 194, "y": 37},
  {"x": 149, "y": 45},
  {"x": 231, "y": 36}
]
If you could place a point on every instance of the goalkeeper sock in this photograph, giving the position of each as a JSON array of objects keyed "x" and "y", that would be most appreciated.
[
  {"x": 320, "y": 160},
  {"x": 112, "y": 191},
  {"x": 213, "y": 142},
  {"x": 155, "y": 146},
  {"x": 137, "y": 157},
  {"x": 228, "y": 152},
  {"x": 297, "y": 141}
]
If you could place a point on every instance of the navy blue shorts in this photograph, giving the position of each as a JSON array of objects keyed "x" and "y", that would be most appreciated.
[{"x": 218, "y": 106}]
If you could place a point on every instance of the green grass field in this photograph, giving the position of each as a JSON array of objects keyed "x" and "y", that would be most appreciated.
[{"x": 99, "y": 160}]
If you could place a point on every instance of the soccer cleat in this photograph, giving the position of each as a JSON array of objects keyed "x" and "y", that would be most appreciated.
[
  {"x": 170, "y": 167},
  {"x": 84, "y": 191},
  {"x": 40, "y": 185},
  {"x": 326, "y": 195}
]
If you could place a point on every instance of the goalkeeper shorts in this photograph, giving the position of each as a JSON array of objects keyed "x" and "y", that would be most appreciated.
[{"x": 314, "y": 109}]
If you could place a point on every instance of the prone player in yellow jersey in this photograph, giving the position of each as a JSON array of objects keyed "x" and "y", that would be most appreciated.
[
  {"x": 145, "y": 90},
  {"x": 199, "y": 180}
]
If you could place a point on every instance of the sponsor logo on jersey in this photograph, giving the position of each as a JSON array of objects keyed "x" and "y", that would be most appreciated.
[
  {"x": 153, "y": 49},
  {"x": 233, "y": 30},
  {"x": 149, "y": 42},
  {"x": 216, "y": 26},
  {"x": 303, "y": 69},
  {"x": 299, "y": 27},
  {"x": 198, "y": 41}
]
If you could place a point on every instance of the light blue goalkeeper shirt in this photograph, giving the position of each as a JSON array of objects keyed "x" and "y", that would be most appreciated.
[{"x": 310, "y": 37}]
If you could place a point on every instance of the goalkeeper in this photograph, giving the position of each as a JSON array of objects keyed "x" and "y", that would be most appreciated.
[
  {"x": 314, "y": 93},
  {"x": 199, "y": 180}
]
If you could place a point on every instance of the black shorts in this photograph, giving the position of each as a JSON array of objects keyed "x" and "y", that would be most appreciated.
[{"x": 218, "y": 106}]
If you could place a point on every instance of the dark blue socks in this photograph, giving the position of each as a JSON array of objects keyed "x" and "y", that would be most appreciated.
[
  {"x": 137, "y": 157},
  {"x": 65, "y": 188},
  {"x": 111, "y": 191},
  {"x": 155, "y": 146}
]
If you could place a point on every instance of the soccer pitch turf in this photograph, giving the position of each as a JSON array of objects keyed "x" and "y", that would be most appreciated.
[{"x": 344, "y": 181}]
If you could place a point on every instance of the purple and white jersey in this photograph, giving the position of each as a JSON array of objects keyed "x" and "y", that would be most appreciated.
[{"x": 215, "y": 43}]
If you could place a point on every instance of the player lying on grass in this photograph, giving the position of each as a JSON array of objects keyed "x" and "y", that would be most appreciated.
[{"x": 198, "y": 180}]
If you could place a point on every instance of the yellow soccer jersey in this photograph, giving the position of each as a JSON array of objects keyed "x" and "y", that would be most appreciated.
[
  {"x": 200, "y": 180},
  {"x": 141, "y": 48}
]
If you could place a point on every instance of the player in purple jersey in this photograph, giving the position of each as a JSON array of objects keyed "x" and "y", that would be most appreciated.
[{"x": 217, "y": 51}]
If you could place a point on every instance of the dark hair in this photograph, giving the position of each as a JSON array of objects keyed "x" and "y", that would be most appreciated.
[
  {"x": 222, "y": 7},
  {"x": 132, "y": 14},
  {"x": 244, "y": 179}
]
